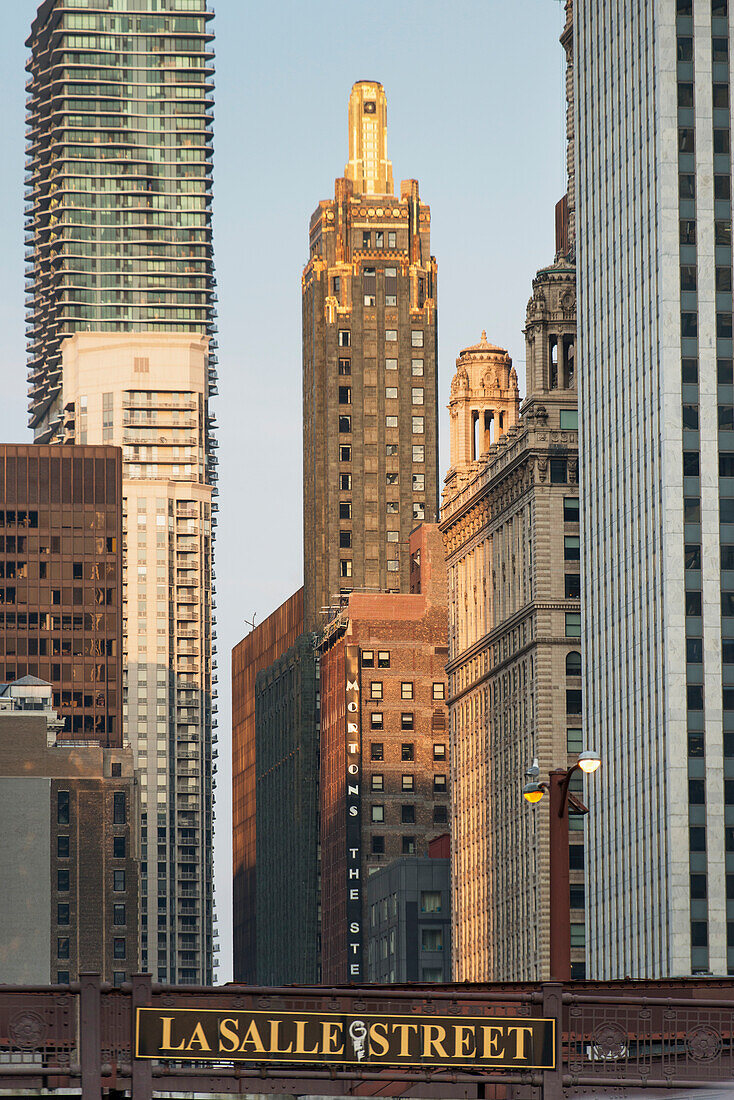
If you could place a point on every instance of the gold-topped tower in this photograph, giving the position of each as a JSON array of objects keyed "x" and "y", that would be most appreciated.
[{"x": 368, "y": 167}]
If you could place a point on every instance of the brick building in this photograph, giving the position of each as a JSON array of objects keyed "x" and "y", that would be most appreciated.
[
  {"x": 69, "y": 858},
  {"x": 61, "y": 581},
  {"x": 370, "y": 464},
  {"x": 384, "y": 745}
]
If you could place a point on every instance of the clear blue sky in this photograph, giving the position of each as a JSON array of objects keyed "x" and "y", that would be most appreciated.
[{"x": 475, "y": 113}]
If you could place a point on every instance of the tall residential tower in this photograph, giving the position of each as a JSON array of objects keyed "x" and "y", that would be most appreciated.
[
  {"x": 369, "y": 373},
  {"x": 121, "y": 320},
  {"x": 656, "y": 402}
]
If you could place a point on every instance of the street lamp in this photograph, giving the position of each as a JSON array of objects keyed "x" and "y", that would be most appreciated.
[{"x": 562, "y": 803}]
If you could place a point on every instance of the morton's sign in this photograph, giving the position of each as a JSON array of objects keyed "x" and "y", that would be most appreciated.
[{"x": 331, "y": 1038}]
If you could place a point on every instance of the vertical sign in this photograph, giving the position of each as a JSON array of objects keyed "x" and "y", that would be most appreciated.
[{"x": 354, "y": 814}]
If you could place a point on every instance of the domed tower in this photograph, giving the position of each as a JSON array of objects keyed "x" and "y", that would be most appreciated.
[
  {"x": 485, "y": 403},
  {"x": 550, "y": 343}
]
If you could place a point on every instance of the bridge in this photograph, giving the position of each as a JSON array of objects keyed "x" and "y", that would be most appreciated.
[{"x": 544, "y": 1041}]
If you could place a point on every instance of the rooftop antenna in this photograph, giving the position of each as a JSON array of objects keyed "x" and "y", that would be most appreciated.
[{"x": 251, "y": 624}]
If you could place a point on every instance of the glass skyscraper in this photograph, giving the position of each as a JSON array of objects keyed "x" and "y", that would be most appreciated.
[
  {"x": 654, "y": 261},
  {"x": 119, "y": 185}
]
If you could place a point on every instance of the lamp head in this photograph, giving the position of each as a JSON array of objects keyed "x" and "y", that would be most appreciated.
[
  {"x": 532, "y": 792},
  {"x": 589, "y": 761}
]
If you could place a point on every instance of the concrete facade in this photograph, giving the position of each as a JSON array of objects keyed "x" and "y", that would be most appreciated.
[
  {"x": 148, "y": 394},
  {"x": 369, "y": 373}
]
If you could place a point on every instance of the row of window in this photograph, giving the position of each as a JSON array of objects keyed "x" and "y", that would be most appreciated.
[
  {"x": 119, "y": 913},
  {"x": 63, "y": 843},
  {"x": 407, "y": 687},
  {"x": 345, "y": 482},
  {"x": 407, "y": 750},
  {"x": 407, "y": 812},
  {"x": 344, "y": 337},
  {"x": 417, "y": 427},
  {"x": 407, "y": 783},
  {"x": 408, "y": 843},
  {"x": 119, "y": 813}
]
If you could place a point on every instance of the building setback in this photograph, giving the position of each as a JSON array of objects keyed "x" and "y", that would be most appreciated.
[
  {"x": 657, "y": 473},
  {"x": 384, "y": 746},
  {"x": 369, "y": 373},
  {"x": 119, "y": 186},
  {"x": 61, "y": 581},
  {"x": 69, "y": 857},
  {"x": 262, "y": 646},
  {"x": 510, "y": 522},
  {"x": 147, "y": 394}
]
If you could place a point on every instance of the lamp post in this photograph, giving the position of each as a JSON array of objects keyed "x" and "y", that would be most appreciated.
[{"x": 562, "y": 803}]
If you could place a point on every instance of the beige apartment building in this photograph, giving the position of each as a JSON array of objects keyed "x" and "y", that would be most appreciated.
[
  {"x": 510, "y": 526},
  {"x": 147, "y": 393}
]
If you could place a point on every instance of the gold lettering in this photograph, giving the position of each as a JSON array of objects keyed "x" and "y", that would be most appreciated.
[
  {"x": 252, "y": 1035},
  {"x": 379, "y": 1037},
  {"x": 166, "y": 1039},
  {"x": 429, "y": 1042},
  {"x": 492, "y": 1036},
  {"x": 463, "y": 1034},
  {"x": 274, "y": 1038},
  {"x": 520, "y": 1045},
  {"x": 228, "y": 1033},
  {"x": 199, "y": 1038},
  {"x": 405, "y": 1030},
  {"x": 301, "y": 1039},
  {"x": 329, "y": 1031}
]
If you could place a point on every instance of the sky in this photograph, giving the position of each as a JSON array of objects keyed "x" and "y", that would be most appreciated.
[{"x": 475, "y": 92}]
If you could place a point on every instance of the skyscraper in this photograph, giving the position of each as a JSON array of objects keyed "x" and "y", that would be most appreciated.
[
  {"x": 119, "y": 184},
  {"x": 653, "y": 231},
  {"x": 121, "y": 320},
  {"x": 369, "y": 372}
]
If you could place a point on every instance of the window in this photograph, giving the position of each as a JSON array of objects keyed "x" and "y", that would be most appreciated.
[
  {"x": 391, "y": 393},
  {"x": 430, "y": 901},
  {"x": 406, "y": 690},
  {"x": 440, "y": 814},
  {"x": 407, "y": 751},
  {"x": 63, "y": 913},
  {"x": 689, "y": 370},
  {"x": 118, "y": 947},
  {"x": 439, "y": 691},
  {"x": 383, "y": 658},
  {"x": 578, "y": 935},
  {"x": 416, "y": 338},
  {"x": 573, "y": 663},
  {"x": 439, "y": 784},
  {"x": 576, "y": 857},
  {"x": 345, "y": 509},
  {"x": 345, "y": 424},
  {"x": 62, "y": 977},
  {"x": 577, "y": 895},
  {"x": 118, "y": 881},
  {"x": 391, "y": 335},
  {"x": 379, "y": 235},
  {"x": 62, "y": 947},
  {"x": 569, "y": 420},
  {"x": 573, "y": 586},
  {"x": 391, "y": 421},
  {"x": 393, "y": 565},
  {"x": 696, "y": 792},
  {"x": 570, "y": 509},
  {"x": 345, "y": 540},
  {"x": 406, "y": 720},
  {"x": 693, "y": 603},
  {"x": 345, "y": 366},
  {"x": 62, "y": 808},
  {"x": 119, "y": 815},
  {"x": 345, "y": 483},
  {"x": 418, "y": 425},
  {"x": 574, "y": 740},
  {"x": 573, "y": 701},
  {"x": 392, "y": 239},
  {"x": 377, "y": 750},
  {"x": 370, "y": 300},
  {"x": 558, "y": 471},
  {"x": 697, "y": 838},
  {"x": 366, "y": 240},
  {"x": 419, "y": 453},
  {"x": 378, "y": 782},
  {"x": 378, "y": 845},
  {"x": 393, "y": 536},
  {"x": 376, "y": 689},
  {"x": 408, "y": 783},
  {"x": 376, "y": 720},
  {"x": 118, "y": 914},
  {"x": 417, "y": 392},
  {"x": 344, "y": 338},
  {"x": 118, "y": 847},
  {"x": 408, "y": 846},
  {"x": 439, "y": 752},
  {"x": 378, "y": 813},
  {"x": 573, "y": 624},
  {"x": 571, "y": 548},
  {"x": 391, "y": 364},
  {"x": 62, "y": 847},
  {"x": 407, "y": 813},
  {"x": 691, "y": 510},
  {"x": 62, "y": 880},
  {"x": 419, "y": 483},
  {"x": 690, "y": 464},
  {"x": 368, "y": 658},
  {"x": 345, "y": 568},
  {"x": 419, "y": 509},
  {"x": 431, "y": 939},
  {"x": 345, "y": 395}
]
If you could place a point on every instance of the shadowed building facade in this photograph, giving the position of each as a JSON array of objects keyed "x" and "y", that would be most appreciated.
[{"x": 369, "y": 373}]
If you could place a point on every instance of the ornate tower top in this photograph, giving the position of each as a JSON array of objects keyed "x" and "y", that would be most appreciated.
[
  {"x": 485, "y": 403},
  {"x": 368, "y": 167}
]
